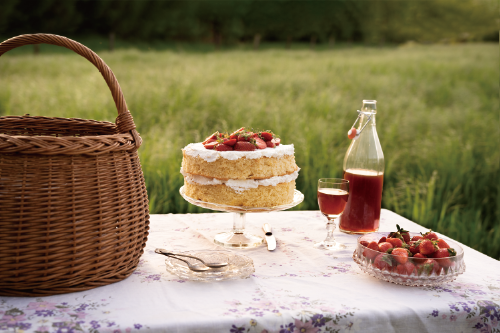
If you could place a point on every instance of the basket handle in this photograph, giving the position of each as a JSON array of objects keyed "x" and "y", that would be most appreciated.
[{"x": 124, "y": 121}]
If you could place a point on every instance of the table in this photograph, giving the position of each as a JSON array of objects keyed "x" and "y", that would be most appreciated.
[{"x": 295, "y": 288}]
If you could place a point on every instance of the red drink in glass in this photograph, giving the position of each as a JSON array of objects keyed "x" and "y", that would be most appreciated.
[
  {"x": 332, "y": 201},
  {"x": 362, "y": 212}
]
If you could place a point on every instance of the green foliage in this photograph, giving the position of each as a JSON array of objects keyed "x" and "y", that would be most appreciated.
[
  {"x": 430, "y": 21},
  {"x": 437, "y": 121},
  {"x": 41, "y": 16},
  {"x": 6, "y": 11},
  {"x": 230, "y": 22}
]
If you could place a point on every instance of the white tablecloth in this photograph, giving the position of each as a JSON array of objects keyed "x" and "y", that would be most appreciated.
[{"x": 296, "y": 288}]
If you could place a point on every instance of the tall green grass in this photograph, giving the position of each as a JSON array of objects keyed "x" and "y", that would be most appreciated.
[{"x": 438, "y": 118}]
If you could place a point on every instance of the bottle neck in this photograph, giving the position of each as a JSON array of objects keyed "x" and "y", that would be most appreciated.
[
  {"x": 369, "y": 110},
  {"x": 367, "y": 119},
  {"x": 365, "y": 153}
]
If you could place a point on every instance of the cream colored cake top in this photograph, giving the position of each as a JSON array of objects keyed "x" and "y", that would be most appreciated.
[{"x": 210, "y": 155}]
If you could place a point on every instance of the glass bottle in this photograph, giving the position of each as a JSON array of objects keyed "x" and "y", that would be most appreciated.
[{"x": 364, "y": 169}]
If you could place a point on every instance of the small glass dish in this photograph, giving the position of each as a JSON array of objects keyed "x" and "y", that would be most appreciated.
[
  {"x": 239, "y": 266},
  {"x": 416, "y": 272}
]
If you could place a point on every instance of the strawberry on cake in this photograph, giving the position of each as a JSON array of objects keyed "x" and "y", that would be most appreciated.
[{"x": 245, "y": 168}]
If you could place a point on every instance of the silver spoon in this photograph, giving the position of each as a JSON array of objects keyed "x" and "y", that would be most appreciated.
[
  {"x": 194, "y": 268},
  {"x": 208, "y": 264}
]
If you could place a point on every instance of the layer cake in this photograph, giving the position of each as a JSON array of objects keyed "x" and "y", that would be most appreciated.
[{"x": 262, "y": 177}]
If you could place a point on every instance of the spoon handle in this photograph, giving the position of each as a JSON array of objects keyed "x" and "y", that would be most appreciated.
[{"x": 167, "y": 253}]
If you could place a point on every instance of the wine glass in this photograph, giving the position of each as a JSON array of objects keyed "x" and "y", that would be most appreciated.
[{"x": 332, "y": 199}]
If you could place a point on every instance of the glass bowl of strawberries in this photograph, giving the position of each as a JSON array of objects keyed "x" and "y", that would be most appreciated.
[{"x": 410, "y": 259}]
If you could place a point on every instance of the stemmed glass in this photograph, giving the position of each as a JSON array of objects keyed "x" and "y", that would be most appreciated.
[{"x": 332, "y": 199}]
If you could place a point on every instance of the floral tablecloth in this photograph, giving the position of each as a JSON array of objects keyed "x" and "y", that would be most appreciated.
[{"x": 295, "y": 288}]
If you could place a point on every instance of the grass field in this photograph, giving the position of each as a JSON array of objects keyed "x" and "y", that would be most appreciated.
[{"x": 438, "y": 117}]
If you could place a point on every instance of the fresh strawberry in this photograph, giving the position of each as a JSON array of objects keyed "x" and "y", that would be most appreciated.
[
  {"x": 211, "y": 145},
  {"x": 277, "y": 141},
  {"x": 396, "y": 242},
  {"x": 244, "y": 146},
  {"x": 243, "y": 137},
  {"x": 400, "y": 255},
  {"x": 401, "y": 269},
  {"x": 373, "y": 245},
  {"x": 364, "y": 243},
  {"x": 407, "y": 268},
  {"x": 383, "y": 239},
  {"x": 384, "y": 246},
  {"x": 410, "y": 268},
  {"x": 428, "y": 267},
  {"x": 406, "y": 236},
  {"x": 210, "y": 138},
  {"x": 402, "y": 234},
  {"x": 223, "y": 147},
  {"x": 442, "y": 244},
  {"x": 430, "y": 235},
  {"x": 417, "y": 238},
  {"x": 270, "y": 144},
  {"x": 230, "y": 142},
  {"x": 247, "y": 136},
  {"x": 371, "y": 250},
  {"x": 427, "y": 247},
  {"x": 266, "y": 136},
  {"x": 419, "y": 257},
  {"x": 237, "y": 131},
  {"x": 234, "y": 136},
  {"x": 413, "y": 247},
  {"x": 383, "y": 262},
  {"x": 209, "y": 141},
  {"x": 444, "y": 255},
  {"x": 261, "y": 144}
]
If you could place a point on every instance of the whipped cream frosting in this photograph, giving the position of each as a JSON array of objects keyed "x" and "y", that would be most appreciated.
[
  {"x": 210, "y": 155},
  {"x": 240, "y": 185}
]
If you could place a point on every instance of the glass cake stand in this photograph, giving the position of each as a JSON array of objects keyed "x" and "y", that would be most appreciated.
[{"x": 239, "y": 237}]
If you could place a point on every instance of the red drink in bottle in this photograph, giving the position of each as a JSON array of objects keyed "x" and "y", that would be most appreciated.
[
  {"x": 364, "y": 169},
  {"x": 362, "y": 212}
]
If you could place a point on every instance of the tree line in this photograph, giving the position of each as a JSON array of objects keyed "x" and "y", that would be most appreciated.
[{"x": 229, "y": 22}]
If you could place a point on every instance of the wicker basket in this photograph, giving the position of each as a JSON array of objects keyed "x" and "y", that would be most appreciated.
[{"x": 73, "y": 204}]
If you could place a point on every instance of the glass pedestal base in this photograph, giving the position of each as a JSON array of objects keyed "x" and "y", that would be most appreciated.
[
  {"x": 238, "y": 237},
  {"x": 329, "y": 245},
  {"x": 238, "y": 240}
]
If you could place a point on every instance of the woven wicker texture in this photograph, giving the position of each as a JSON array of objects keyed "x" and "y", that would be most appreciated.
[{"x": 73, "y": 203}]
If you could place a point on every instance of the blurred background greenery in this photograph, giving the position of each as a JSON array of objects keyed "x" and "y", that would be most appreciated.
[
  {"x": 299, "y": 68},
  {"x": 255, "y": 21}
]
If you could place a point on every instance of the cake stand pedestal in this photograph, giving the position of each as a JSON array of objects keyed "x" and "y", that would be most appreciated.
[{"x": 238, "y": 237}]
